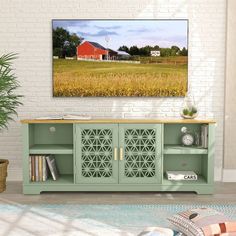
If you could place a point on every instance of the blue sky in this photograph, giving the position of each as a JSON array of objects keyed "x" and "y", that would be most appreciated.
[{"x": 164, "y": 33}]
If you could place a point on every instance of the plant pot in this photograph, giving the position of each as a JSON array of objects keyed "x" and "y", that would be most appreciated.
[
  {"x": 188, "y": 116},
  {"x": 3, "y": 174}
]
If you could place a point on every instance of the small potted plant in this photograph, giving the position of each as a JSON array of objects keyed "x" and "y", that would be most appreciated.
[
  {"x": 189, "y": 109},
  {"x": 9, "y": 101},
  {"x": 189, "y": 112}
]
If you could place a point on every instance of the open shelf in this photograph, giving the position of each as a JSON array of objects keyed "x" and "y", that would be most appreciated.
[
  {"x": 63, "y": 179},
  {"x": 178, "y": 149},
  {"x": 50, "y": 139},
  {"x": 51, "y": 149},
  {"x": 201, "y": 180}
]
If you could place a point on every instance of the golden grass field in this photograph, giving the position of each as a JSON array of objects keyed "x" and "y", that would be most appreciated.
[{"x": 88, "y": 78}]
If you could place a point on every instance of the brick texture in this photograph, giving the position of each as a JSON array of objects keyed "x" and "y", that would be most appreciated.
[{"x": 25, "y": 27}]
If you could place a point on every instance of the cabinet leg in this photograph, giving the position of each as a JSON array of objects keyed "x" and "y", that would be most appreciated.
[
  {"x": 31, "y": 190},
  {"x": 202, "y": 191}
]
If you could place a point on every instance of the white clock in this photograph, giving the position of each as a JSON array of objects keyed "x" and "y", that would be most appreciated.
[{"x": 187, "y": 138}]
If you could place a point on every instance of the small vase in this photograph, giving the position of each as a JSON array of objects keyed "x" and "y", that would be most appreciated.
[{"x": 189, "y": 109}]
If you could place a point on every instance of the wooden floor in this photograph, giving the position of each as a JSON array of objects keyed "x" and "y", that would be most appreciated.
[{"x": 225, "y": 193}]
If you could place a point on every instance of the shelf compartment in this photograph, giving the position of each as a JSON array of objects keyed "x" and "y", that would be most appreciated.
[
  {"x": 63, "y": 179},
  {"x": 189, "y": 162},
  {"x": 173, "y": 135},
  {"x": 179, "y": 162},
  {"x": 65, "y": 166},
  {"x": 178, "y": 149},
  {"x": 200, "y": 180},
  {"x": 51, "y": 149},
  {"x": 59, "y": 134}
]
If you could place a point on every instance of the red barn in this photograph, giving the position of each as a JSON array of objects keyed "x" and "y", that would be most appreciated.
[{"x": 91, "y": 50}]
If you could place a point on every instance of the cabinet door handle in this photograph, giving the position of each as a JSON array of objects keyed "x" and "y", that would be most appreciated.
[
  {"x": 115, "y": 153},
  {"x": 121, "y": 154}
]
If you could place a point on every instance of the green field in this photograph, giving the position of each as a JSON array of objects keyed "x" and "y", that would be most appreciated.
[{"x": 88, "y": 78}]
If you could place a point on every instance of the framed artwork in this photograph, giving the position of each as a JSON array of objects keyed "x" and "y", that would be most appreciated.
[{"x": 117, "y": 58}]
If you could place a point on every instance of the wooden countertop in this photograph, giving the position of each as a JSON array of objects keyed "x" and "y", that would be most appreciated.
[{"x": 121, "y": 121}]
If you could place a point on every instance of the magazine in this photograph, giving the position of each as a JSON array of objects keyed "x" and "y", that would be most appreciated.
[
  {"x": 66, "y": 117},
  {"x": 181, "y": 175}
]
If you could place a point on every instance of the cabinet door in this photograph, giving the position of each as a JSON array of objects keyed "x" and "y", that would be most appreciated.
[
  {"x": 140, "y": 153},
  {"x": 96, "y": 153}
]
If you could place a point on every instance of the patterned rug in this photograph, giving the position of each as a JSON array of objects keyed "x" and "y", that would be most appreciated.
[{"x": 89, "y": 220}]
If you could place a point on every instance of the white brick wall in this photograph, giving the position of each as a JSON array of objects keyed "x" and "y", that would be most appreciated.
[{"x": 25, "y": 27}]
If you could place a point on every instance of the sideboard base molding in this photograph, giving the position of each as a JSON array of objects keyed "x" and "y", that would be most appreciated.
[{"x": 38, "y": 188}]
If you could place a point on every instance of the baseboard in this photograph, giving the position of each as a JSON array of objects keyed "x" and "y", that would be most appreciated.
[
  {"x": 217, "y": 174},
  {"x": 14, "y": 174},
  {"x": 229, "y": 175}
]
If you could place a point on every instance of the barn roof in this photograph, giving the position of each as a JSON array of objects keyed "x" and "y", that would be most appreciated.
[
  {"x": 97, "y": 45},
  {"x": 111, "y": 50},
  {"x": 122, "y": 53}
]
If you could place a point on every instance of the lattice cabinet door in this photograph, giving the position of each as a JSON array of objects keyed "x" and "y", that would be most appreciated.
[
  {"x": 96, "y": 153},
  {"x": 140, "y": 153}
]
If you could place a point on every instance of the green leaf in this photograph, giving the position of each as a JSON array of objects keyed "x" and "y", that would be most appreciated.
[{"x": 9, "y": 101}]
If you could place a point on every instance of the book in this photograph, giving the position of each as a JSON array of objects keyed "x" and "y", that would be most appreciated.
[
  {"x": 30, "y": 168},
  {"x": 66, "y": 117},
  {"x": 76, "y": 117},
  {"x": 181, "y": 175},
  {"x": 45, "y": 169},
  {"x": 40, "y": 169},
  {"x": 51, "y": 161},
  {"x": 33, "y": 168},
  {"x": 204, "y": 136},
  {"x": 49, "y": 118},
  {"x": 36, "y": 168}
]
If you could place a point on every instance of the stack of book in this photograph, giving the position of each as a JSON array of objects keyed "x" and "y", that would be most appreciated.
[
  {"x": 40, "y": 166},
  {"x": 181, "y": 175},
  {"x": 204, "y": 136}
]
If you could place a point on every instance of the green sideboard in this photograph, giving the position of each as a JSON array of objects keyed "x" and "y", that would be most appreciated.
[{"x": 118, "y": 155}]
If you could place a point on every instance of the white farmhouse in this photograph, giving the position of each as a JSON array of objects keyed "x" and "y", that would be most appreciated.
[{"x": 155, "y": 53}]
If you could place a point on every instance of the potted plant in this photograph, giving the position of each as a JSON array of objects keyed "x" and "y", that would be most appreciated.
[
  {"x": 9, "y": 101},
  {"x": 189, "y": 109}
]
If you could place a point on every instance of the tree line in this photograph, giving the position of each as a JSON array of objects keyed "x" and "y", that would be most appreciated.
[
  {"x": 65, "y": 43},
  {"x": 146, "y": 51}
]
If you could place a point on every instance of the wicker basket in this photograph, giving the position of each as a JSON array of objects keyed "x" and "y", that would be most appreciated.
[{"x": 3, "y": 174}]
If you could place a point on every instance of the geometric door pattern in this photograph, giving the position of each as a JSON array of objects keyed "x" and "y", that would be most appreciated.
[
  {"x": 140, "y": 153},
  {"x": 97, "y": 153}
]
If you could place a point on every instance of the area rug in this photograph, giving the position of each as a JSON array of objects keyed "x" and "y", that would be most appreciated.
[{"x": 89, "y": 220}]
